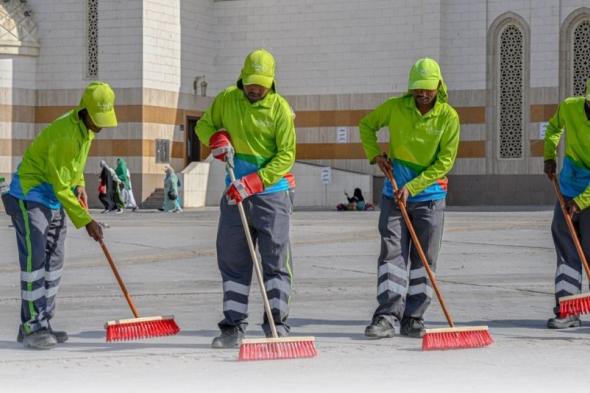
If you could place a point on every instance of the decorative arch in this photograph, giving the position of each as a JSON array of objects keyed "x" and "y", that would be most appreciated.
[
  {"x": 18, "y": 30},
  {"x": 574, "y": 51},
  {"x": 508, "y": 86}
]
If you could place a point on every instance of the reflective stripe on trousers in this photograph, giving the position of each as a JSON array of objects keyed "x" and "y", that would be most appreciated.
[
  {"x": 403, "y": 288},
  {"x": 568, "y": 274},
  {"x": 40, "y": 235},
  {"x": 268, "y": 217}
]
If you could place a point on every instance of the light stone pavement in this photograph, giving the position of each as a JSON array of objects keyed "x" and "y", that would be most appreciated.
[{"x": 496, "y": 268}]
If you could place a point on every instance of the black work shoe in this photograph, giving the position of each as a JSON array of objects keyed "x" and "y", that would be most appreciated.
[
  {"x": 379, "y": 328},
  {"x": 229, "y": 338},
  {"x": 564, "y": 323},
  {"x": 41, "y": 339},
  {"x": 280, "y": 333},
  {"x": 60, "y": 337},
  {"x": 412, "y": 327}
]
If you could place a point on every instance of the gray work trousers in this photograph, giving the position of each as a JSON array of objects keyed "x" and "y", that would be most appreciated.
[
  {"x": 403, "y": 289},
  {"x": 268, "y": 217},
  {"x": 40, "y": 236},
  {"x": 568, "y": 276}
]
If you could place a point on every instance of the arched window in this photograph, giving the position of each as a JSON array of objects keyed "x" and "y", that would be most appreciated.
[
  {"x": 510, "y": 92},
  {"x": 581, "y": 57}
]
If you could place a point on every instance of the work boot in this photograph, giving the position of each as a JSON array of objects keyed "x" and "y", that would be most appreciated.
[
  {"x": 412, "y": 327},
  {"x": 380, "y": 328},
  {"x": 229, "y": 338},
  {"x": 282, "y": 331},
  {"x": 564, "y": 323},
  {"x": 41, "y": 339},
  {"x": 60, "y": 337}
]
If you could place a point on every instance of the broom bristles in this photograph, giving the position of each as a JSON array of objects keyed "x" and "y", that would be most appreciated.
[
  {"x": 456, "y": 338},
  {"x": 139, "y": 328},
  {"x": 574, "y": 305},
  {"x": 278, "y": 348}
]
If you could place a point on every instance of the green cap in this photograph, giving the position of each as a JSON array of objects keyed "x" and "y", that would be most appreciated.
[
  {"x": 425, "y": 74},
  {"x": 99, "y": 101},
  {"x": 259, "y": 69},
  {"x": 588, "y": 90}
]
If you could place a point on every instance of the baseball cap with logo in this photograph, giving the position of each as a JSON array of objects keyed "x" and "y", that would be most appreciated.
[
  {"x": 99, "y": 101},
  {"x": 425, "y": 74},
  {"x": 259, "y": 69}
]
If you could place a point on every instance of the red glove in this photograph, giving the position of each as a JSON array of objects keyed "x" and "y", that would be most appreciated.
[
  {"x": 243, "y": 188},
  {"x": 220, "y": 144}
]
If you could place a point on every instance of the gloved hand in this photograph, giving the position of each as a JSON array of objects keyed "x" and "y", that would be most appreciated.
[
  {"x": 220, "y": 144},
  {"x": 549, "y": 168},
  {"x": 243, "y": 188}
]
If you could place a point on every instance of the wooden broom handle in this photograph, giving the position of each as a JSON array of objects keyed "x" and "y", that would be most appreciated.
[
  {"x": 418, "y": 247},
  {"x": 255, "y": 261},
  {"x": 107, "y": 254},
  {"x": 572, "y": 229}
]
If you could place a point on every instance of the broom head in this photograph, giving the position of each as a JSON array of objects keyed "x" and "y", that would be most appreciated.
[
  {"x": 574, "y": 305},
  {"x": 456, "y": 338},
  {"x": 277, "y": 348},
  {"x": 138, "y": 328}
]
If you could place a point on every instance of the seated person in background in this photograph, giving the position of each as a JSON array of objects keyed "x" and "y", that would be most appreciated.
[{"x": 357, "y": 202}]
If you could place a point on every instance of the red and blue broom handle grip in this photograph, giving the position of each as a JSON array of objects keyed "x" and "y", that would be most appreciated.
[
  {"x": 107, "y": 254},
  {"x": 570, "y": 226},
  {"x": 416, "y": 241}
]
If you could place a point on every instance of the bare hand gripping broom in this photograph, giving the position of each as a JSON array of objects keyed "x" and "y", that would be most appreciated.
[
  {"x": 135, "y": 328},
  {"x": 274, "y": 347},
  {"x": 573, "y": 304},
  {"x": 447, "y": 338}
]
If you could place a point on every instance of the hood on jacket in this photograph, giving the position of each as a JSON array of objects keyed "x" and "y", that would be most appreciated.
[
  {"x": 425, "y": 74},
  {"x": 258, "y": 69}
]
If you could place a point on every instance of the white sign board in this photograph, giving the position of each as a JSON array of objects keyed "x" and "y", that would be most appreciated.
[
  {"x": 342, "y": 135},
  {"x": 326, "y": 175},
  {"x": 542, "y": 129}
]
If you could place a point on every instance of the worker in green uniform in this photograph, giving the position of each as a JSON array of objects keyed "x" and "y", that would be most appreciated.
[
  {"x": 423, "y": 143},
  {"x": 49, "y": 183}
]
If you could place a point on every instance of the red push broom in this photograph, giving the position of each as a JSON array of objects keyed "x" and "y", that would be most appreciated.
[
  {"x": 275, "y": 347},
  {"x": 573, "y": 304},
  {"x": 134, "y": 328},
  {"x": 447, "y": 338}
]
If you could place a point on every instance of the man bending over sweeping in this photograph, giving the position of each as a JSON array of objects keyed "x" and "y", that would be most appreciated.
[
  {"x": 251, "y": 125},
  {"x": 49, "y": 181},
  {"x": 423, "y": 143},
  {"x": 573, "y": 115}
]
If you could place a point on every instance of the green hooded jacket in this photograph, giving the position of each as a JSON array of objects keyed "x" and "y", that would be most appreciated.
[
  {"x": 53, "y": 166},
  {"x": 422, "y": 148},
  {"x": 262, "y": 133}
]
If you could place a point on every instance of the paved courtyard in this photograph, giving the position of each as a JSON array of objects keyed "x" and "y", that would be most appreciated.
[{"x": 496, "y": 268}]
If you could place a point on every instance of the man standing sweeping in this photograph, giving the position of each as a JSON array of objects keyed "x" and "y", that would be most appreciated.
[
  {"x": 49, "y": 181},
  {"x": 573, "y": 115},
  {"x": 254, "y": 124},
  {"x": 423, "y": 143}
]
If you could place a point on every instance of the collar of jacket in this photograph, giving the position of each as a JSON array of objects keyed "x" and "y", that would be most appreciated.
[
  {"x": 75, "y": 116},
  {"x": 411, "y": 104}
]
